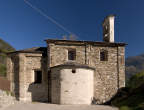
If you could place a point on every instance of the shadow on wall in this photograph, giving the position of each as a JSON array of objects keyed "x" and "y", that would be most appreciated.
[
  {"x": 38, "y": 92},
  {"x": 121, "y": 94},
  {"x": 39, "y": 89},
  {"x": 15, "y": 61}
]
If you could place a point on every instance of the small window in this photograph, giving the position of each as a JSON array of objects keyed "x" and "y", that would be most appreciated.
[
  {"x": 38, "y": 77},
  {"x": 104, "y": 55},
  {"x": 72, "y": 54}
]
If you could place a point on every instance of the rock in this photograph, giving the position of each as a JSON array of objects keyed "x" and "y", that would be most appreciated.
[{"x": 6, "y": 99}]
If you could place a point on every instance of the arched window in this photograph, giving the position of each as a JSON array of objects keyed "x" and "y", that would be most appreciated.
[{"x": 103, "y": 55}]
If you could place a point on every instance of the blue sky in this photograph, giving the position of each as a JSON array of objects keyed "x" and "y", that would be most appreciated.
[{"x": 23, "y": 27}]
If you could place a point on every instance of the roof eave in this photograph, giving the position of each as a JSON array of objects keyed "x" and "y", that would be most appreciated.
[
  {"x": 85, "y": 42},
  {"x": 23, "y": 52}
]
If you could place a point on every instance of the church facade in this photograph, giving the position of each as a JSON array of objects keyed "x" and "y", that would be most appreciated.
[{"x": 69, "y": 71}]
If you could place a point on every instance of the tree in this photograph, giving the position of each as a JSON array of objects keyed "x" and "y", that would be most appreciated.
[{"x": 136, "y": 80}]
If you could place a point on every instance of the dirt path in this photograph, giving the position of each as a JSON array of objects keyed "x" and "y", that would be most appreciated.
[{"x": 43, "y": 106}]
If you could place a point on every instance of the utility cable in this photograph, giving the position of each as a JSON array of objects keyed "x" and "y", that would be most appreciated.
[{"x": 48, "y": 17}]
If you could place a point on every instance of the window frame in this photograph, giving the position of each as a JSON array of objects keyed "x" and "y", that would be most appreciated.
[
  {"x": 73, "y": 53},
  {"x": 103, "y": 55}
]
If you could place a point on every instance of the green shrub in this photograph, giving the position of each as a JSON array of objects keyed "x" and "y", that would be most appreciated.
[
  {"x": 136, "y": 80},
  {"x": 125, "y": 108},
  {"x": 2, "y": 69},
  {"x": 132, "y": 96},
  {"x": 7, "y": 92}
]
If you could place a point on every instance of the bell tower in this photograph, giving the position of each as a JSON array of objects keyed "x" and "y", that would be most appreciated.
[{"x": 108, "y": 29}]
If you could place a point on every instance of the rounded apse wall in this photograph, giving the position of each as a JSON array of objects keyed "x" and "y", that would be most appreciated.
[{"x": 72, "y": 85}]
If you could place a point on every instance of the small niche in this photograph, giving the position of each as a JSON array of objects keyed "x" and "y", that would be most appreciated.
[{"x": 73, "y": 70}]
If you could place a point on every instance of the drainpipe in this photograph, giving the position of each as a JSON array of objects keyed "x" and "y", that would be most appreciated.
[{"x": 117, "y": 67}]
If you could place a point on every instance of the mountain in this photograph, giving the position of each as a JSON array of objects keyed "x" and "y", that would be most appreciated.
[
  {"x": 4, "y": 48},
  {"x": 134, "y": 65}
]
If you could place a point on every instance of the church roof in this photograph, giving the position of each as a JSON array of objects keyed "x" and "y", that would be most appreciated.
[
  {"x": 74, "y": 64},
  {"x": 80, "y": 42},
  {"x": 32, "y": 50}
]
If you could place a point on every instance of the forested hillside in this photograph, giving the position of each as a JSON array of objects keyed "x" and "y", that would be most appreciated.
[
  {"x": 134, "y": 65},
  {"x": 4, "y": 48},
  {"x": 132, "y": 96}
]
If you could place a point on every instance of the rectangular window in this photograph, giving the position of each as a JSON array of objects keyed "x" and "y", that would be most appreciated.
[
  {"x": 38, "y": 77},
  {"x": 72, "y": 54},
  {"x": 104, "y": 55}
]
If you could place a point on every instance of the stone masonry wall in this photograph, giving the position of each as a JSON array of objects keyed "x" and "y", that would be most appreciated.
[
  {"x": 35, "y": 92},
  {"x": 13, "y": 73},
  {"x": 56, "y": 86},
  {"x": 106, "y": 73},
  {"x": 121, "y": 61},
  {"x": 21, "y": 75},
  {"x": 109, "y": 75},
  {"x": 59, "y": 54},
  {"x": 6, "y": 99}
]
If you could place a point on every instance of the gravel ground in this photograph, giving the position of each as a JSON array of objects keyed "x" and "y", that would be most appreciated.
[{"x": 44, "y": 106}]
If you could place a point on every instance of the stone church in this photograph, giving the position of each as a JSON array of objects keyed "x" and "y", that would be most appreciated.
[{"x": 69, "y": 71}]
